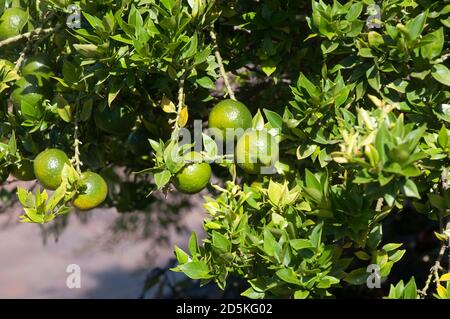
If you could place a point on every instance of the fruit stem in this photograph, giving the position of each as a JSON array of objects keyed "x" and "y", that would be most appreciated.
[{"x": 221, "y": 66}]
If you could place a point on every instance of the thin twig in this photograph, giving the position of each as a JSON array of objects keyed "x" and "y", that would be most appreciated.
[
  {"x": 221, "y": 66},
  {"x": 181, "y": 94},
  {"x": 441, "y": 226},
  {"x": 448, "y": 245},
  {"x": 77, "y": 142},
  {"x": 444, "y": 57},
  {"x": 444, "y": 187},
  {"x": 36, "y": 32},
  {"x": 43, "y": 37},
  {"x": 181, "y": 98},
  {"x": 379, "y": 204},
  {"x": 433, "y": 271},
  {"x": 442, "y": 213},
  {"x": 28, "y": 35},
  {"x": 444, "y": 180}
]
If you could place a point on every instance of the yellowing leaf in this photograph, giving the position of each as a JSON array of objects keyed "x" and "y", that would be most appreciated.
[
  {"x": 7, "y": 72},
  {"x": 258, "y": 121},
  {"x": 442, "y": 292},
  {"x": 347, "y": 245},
  {"x": 362, "y": 255},
  {"x": 441, "y": 237},
  {"x": 445, "y": 277},
  {"x": 11, "y": 76},
  {"x": 268, "y": 67},
  {"x": 3, "y": 87},
  {"x": 167, "y": 105},
  {"x": 87, "y": 50},
  {"x": 275, "y": 192},
  {"x": 196, "y": 6},
  {"x": 213, "y": 225},
  {"x": 184, "y": 115}
]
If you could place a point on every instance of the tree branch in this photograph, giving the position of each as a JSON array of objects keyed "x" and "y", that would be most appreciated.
[
  {"x": 434, "y": 270},
  {"x": 76, "y": 144},
  {"x": 221, "y": 66},
  {"x": 181, "y": 98},
  {"x": 35, "y": 32},
  {"x": 444, "y": 187},
  {"x": 28, "y": 35},
  {"x": 444, "y": 57}
]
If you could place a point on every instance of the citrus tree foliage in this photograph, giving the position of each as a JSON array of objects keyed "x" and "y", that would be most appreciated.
[{"x": 361, "y": 103}]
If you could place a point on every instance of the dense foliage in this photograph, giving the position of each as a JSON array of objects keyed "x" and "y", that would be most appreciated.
[{"x": 360, "y": 103}]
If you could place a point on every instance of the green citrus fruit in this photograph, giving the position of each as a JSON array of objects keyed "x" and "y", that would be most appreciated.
[
  {"x": 48, "y": 166},
  {"x": 255, "y": 150},
  {"x": 229, "y": 114},
  {"x": 24, "y": 171},
  {"x": 115, "y": 120},
  {"x": 12, "y": 22},
  {"x": 94, "y": 192},
  {"x": 194, "y": 176}
]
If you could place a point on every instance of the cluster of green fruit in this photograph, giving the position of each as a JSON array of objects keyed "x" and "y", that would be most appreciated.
[
  {"x": 33, "y": 87},
  {"x": 254, "y": 149},
  {"x": 30, "y": 90},
  {"x": 47, "y": 168}
]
